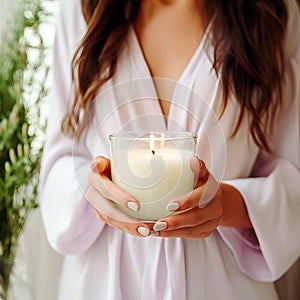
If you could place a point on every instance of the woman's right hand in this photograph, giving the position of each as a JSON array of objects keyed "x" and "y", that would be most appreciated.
[{"x": 102, "y": 194}]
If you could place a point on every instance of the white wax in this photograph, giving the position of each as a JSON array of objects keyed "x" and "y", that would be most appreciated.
[{"x": 153, "y": 179}]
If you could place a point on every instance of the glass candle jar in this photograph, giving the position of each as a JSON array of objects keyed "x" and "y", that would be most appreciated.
[{"x": 154, "y": 167}]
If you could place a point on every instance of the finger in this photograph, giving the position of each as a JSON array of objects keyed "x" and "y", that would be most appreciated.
[
  {"x": 199, "y": 197},
  {"x": 199, "y": 231},
  {"x": 200, "y": 171},
  {"x": 191, "y": 218},
  {"x": 101, "y": 164},
  {"x": 112, "y": 192},
  {"x": 110, "y": 214}
]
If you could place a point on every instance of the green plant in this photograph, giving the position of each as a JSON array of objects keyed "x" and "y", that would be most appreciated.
[{"x": 23, "y": 73}]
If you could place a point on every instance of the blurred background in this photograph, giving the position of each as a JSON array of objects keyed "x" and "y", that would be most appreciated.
[
  {"x": 26, "y": 36},
  {"x": 27, "y": 30}
]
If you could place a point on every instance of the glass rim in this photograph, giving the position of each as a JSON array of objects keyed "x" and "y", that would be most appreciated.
[{"x": 158, "y": 135}]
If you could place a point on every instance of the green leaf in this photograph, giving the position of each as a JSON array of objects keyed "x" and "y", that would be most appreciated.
[{"x": 23, "y": 73}]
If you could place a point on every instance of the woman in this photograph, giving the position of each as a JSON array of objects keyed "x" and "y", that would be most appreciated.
[{"x": 226, "y": 70}]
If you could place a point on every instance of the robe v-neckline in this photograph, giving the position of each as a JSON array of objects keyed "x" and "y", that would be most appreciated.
[{"x": 143, "y": 70}]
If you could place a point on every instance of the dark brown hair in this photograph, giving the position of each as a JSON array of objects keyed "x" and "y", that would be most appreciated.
[{"x": 248, "y": 37}]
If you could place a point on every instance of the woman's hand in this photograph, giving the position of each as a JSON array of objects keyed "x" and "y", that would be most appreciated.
[
  {"x": 103, "y": 194},
  {"x": 204, "y": 208},
  {"x": 209, "y": 205}
]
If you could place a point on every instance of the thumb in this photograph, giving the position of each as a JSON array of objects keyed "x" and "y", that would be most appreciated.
[
  {"x": 209, "y": 190},
  {"x": 100, "y": 164},
  {"x": 200, "y": 171}
]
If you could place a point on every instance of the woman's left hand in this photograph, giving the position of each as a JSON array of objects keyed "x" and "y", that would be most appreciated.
[{"x": 203, "y": 207}]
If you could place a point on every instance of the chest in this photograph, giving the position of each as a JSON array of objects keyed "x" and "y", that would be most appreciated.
[
  {"x": 167, "y": 51},
  {"x": 167, "y": 56}
]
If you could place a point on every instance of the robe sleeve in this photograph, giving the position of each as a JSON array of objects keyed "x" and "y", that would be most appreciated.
[
  {"x": 70, "y": 222},
  {"x": 272, "y": 193}
]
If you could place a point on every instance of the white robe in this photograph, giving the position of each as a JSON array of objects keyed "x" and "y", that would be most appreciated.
[{"x": 104, "y": 263}]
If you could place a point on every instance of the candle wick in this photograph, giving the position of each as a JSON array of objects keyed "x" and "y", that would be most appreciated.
[{"x": 153, "y": 152}]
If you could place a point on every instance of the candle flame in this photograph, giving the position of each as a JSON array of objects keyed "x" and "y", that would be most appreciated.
[{"x": 152, "y": 145}]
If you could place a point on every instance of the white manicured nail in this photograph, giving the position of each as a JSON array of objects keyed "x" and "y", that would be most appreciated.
[
  {"x": 203, "y": 205},
  {"x": 133, "y": 206},
  {"x": 143, "y": 231},
  {"x": 160, "y": 226},
  {"x": 172, "y": 206}
]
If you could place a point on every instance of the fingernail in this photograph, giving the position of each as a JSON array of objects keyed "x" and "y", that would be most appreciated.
[
  {"x": 160, "y": 226},
  {"x": 133, "y": 206},
  {"x": 94, "y": 167},
  {"x": 143, "y": 231},
  {"x": 203, "y": 204},
  {"x": 172, "y": 206}
]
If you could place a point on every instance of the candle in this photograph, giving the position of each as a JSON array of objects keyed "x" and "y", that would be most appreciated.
[{"x": 154, "y": 168}]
